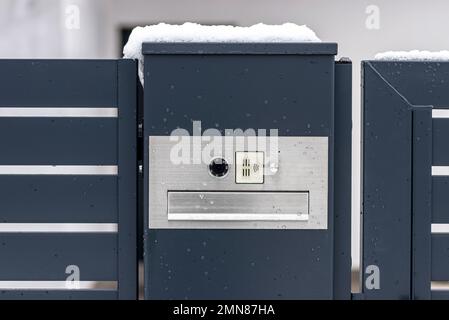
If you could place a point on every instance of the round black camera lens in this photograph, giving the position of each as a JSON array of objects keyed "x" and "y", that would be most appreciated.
[{"x": 218, "y": 167}]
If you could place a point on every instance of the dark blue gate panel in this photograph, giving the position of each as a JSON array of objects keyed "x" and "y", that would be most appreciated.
[
  {"x": 58, "y": 83},
  {"x": 422, "y": 83},
  {"x": 93, "y": 199},
  {"x": 440, "y": 199},
  {"x": 58, "y": 141},
  {"x": 440, "y": 257},
  {"x": 387, "y": 186},
  {"x": 58, "y": 294},
  {"x": 44, "y": 257},
  {"x": 392, "y": 92},
  {"x": 440, "y": 142},
  {"x": 83, "y": 199}
]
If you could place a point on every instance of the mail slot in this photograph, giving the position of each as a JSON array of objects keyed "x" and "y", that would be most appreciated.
[
  {"x": 246, "y": 171},
  {"x": 238, "y": 206}
]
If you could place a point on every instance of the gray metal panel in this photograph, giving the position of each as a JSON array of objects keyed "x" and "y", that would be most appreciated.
[
  {"x": 440, "y": 257},
  {"x": 304, "y": 48},
  {"x": 243, "y": 91},
  {"x": 440, "y": 199},
  {"x": 58, "y": 83},
  {"x": 440, "y": 148},
  {"x": 127, "y": 179},
  {"x": 342, "y": 180},
  {"x": 421, "y": 82},
  {"x": 440, "y": 295},
  {"x": 58, "y": 295},
  {"x": 33, "y": 256},
  {"x": 238, "y": 264},
  {"x": 41, "y": 198},
  {"x": 422, "y": 202},
  {"x": 58, "y": 141},
  {"x": 307, "y": 155},
  {"x": 386, "y": 185}
]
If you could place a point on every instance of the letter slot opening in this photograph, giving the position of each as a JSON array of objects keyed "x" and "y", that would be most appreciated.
[{"x": 237, "y": 206}]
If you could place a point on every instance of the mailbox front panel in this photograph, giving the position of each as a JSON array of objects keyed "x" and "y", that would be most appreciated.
[{"x": 236, "y": 249}]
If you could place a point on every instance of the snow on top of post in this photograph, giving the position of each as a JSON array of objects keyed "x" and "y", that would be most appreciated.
[
  {"x": 413, "y": 55},
  {"x": 193, "y": 32}
]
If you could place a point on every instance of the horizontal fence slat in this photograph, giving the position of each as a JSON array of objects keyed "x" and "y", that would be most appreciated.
[
  {"x": 58, "y": 83},
  {"x": 58, "y": 141},
  {"x": 58, "y": 199},
  {"x": 45, "y": 257},
  {"x": 59, "y": 112},
  {"x": 57, "y": 170},
  {"x": 440, "y": 199},
  {"x": 440, "y": 135},
  {"x": 441, "y": 112},
  {"x": 58, "y": 285},
  {"x": 58, "y": 294},
  {"x": 440, "y": 257},
  {"x": 440, "y": 228},
  {"x": 58, "y": 227}
]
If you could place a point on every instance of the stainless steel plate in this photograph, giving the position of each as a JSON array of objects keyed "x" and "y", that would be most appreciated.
[{"x": 294, "y": 194}]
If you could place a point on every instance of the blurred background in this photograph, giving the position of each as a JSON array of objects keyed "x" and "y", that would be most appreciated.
[{"x": 99, "y": 29}]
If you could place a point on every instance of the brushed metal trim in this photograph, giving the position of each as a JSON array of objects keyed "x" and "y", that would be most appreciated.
[
  {"x": 439, "y": 228},
  {"x": 60, "y": 112},
  {"x": 58, "y": 227},
  {"x": 440, "y": 170},
  {"x": 440, "y": 113},
  {"x": 238, "y": 206},
  {"x": 236, "y": 217},
  {"x": 58, "y": 285},
  {"x": 302, "y": 167},
  {"x": 58, "y": 169},
  {"x": 439, "y": 285}
]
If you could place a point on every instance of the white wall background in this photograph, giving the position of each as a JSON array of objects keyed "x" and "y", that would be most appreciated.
[{"x": 40, "y": 28}]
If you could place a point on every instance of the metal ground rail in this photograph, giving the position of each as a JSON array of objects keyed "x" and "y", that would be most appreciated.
[{"x": 68, "y": 179}]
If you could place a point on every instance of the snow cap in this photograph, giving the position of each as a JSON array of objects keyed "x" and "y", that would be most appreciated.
[
  {"x": 413, "y": 55},
  {"x": 193, "y": 32}
]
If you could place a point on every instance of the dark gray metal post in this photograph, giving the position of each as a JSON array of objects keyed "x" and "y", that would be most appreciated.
[
  {"x": 342, "y": 180},
  {"x": 422, "y": 202},
  {"x": 127, "y": 179}
]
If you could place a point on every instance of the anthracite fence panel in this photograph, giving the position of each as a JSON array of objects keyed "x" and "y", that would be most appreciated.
[
  {"x": 68, "y": 179},
  {"x": 405, "y": 178}
]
